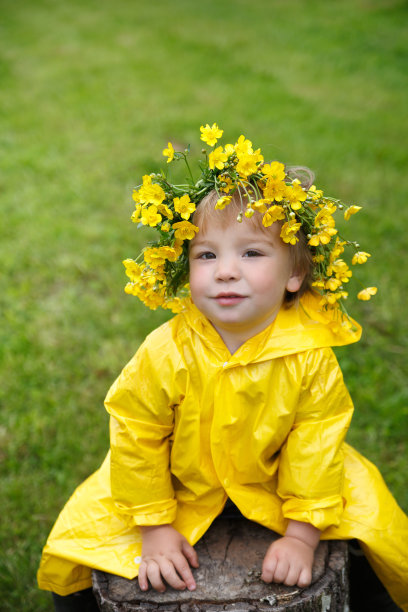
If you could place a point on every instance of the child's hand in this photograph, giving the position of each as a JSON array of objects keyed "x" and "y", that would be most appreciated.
[
  {"x": 166, "y": 554},
  {"x": 288, "y": 561}
]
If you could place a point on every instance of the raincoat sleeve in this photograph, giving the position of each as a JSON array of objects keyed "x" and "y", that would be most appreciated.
[
  {"x": 311, "y": 464},
  {"x": 141, "y": 405}
]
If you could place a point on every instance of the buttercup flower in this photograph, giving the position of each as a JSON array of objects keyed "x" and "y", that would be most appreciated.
[
  {"x": 223, "y": 202},
  {"x": 351, "y": 210},
  {"x": 295, "y": 195},
  {"x": 217, "y": 159},
  {"x": 210, "y": 135},
  {"x": 274, "y": 171},
  {"x": 150, "y": 216},
  {"x": 169, "y": 152},
  {"x": 185, "y": 230},
  {"x": 184, "y": 206},
  {"x": 360, "y": 257},
  {"x": 289, "y": 231},
  {"x": 274, "y": 213},
  {"x": 132, "y": 269},
  {"x": 366, "y": 294}
]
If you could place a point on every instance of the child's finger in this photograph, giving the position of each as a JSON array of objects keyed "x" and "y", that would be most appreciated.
[
  {"x": 154, "y": 576},
  {"x": 183, "y": 569},
  {"x": 292, "y": 576},
  {"x": 268, "y": 569},
  {"x": 281, "y": 571},
  {"x": 190, "y": 553},
  {"x": 142, "y": 577},
  {"x": 305, "y": 578},
  {"x": 170, "y": 575}
]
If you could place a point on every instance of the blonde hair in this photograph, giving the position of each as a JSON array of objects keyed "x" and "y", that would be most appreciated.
[{"x": 301, "y": 257}]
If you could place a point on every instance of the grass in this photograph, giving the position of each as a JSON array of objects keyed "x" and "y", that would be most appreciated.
[{"x": 91, "y": 93}]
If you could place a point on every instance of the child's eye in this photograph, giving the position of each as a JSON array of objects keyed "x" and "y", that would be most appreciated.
[
  {"x": 206, "y": 255},
  {"x": 252, "y": 253}
]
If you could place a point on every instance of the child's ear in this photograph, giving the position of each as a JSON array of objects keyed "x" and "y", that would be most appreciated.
[{"x": 294, "y": 282}]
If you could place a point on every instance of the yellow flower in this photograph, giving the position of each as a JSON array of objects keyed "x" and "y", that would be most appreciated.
[
  {"x": 184, "y": 206},
  {"x": 176, "y": 305},
  {"x": 314, "y": 193},
  {"x": 150, "y": 216},
  {"x": 210, "y": 135},
  {"x": 228, "y": 183},
  {"x": 150, "y": 193},
  {"x": 136, "y": 214},
  {"x": 131, "y": 289},
  {"x": 165, "y": 210},
  {"x": 360, "y": 257},
  {"x": 229, "y": 149},
  {"x": 332, "y": 284},
  {"x": 169, "y": 253},
  {"x": 217, "y": 158},
  {"x": 322, "y": 237},
  {"x": 275, "y": 189},
  {"x": 340, "y": 269},
  {"x": 294, "y": 195},
  {"x": 351, "y": 210},
  {"x": 318, "y": 258},
  {"x": 185, "y": 230},
  {"x": 154, "y": 258},
  {"x": 275, "y": 170},
  {"x": 274, "y": 213},
  {"x": 324, "y": 216},
  {"x": 165, "y": 227},
  {"x": 260, "y": 205},
  {"x": 332, "y": 298},
  {"x": 319, "y": 283},
  {"x": 223, "y": 202},
  {"x": 178, "y": 248},
  {"x": 288, "y": 231},
  {"x": 248, "y": 163},
  {"x": 337, "y": 250},
  {"x": 169, "y": 152},
  {"x": 365, "y": 294},
  {"x": 132, "y": 269},
  {"x": 136, "y": 196},
  {"x": 249, "y": 212},
  {"x": 243, "y": 146}
]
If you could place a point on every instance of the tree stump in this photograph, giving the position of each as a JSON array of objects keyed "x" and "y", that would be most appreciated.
[{"x": 228, "y": 579}]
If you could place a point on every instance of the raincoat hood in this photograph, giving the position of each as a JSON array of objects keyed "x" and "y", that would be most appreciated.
[{"x": 300, "y": 327}]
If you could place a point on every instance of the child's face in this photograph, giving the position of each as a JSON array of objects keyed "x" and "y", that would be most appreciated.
[{"x": 238, "y": 278}]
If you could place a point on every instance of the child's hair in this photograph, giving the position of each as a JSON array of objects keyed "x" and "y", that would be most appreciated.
[{"x": 301, "y": 257}]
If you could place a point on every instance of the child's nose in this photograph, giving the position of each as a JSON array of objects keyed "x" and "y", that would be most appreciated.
[{"x": 227, "y": 269}]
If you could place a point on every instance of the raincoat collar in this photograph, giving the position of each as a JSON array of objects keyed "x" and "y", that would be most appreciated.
[{"x": 301, "y": 327}]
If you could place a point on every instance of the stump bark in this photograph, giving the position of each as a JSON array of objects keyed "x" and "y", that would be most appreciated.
[{"x": 228, "y": 579}]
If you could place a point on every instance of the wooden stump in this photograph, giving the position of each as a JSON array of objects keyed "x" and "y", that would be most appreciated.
[{"x": 228, "y": 578}]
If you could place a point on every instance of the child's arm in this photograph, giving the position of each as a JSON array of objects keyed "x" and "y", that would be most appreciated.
[
  {"x": 290, "y": 559},
  {"x": 166, "y": 554}
]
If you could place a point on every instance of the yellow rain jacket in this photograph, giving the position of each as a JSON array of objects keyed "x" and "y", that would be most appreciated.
[{"x": 192, "y": 424}]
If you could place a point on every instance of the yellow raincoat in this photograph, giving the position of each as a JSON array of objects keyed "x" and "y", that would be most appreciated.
[{"x": 192, "y": 424}]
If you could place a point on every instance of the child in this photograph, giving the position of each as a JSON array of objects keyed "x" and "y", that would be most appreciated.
[{"x": 237, "y": 397}]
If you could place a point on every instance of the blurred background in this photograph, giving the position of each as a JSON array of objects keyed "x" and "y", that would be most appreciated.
[{"x": 91, "y": 92}]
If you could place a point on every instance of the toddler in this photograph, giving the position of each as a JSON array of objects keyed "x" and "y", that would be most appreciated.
[{"x": 238, "y": 397}]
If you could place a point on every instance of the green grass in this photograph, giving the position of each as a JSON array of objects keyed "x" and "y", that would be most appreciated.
[{"x": 91, "y": 92}]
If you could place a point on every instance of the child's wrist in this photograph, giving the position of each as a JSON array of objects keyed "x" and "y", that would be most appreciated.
[{"x": 303, "y": 532}]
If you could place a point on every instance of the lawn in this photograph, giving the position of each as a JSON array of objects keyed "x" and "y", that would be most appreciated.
[{"x": 91, "y": 92}]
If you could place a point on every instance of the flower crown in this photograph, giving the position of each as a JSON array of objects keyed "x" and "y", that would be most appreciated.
[{"x": 159, "y": 276}]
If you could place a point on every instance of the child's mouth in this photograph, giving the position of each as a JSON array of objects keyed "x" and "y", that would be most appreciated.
[{"x": 229, "y": 299}]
